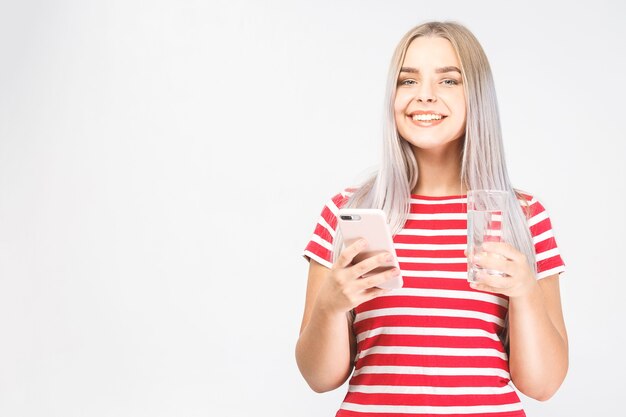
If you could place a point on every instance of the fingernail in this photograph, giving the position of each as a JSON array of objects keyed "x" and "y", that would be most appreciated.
[
  {"x": 395, "y": 272},
  {"x": 389, "y": 258}
]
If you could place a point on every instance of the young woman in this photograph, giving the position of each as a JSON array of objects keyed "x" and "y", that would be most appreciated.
[{"x": 439, "y": 345}]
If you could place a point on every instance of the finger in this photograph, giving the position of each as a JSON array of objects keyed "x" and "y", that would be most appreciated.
[
  {"x": 493, "y": 261},
  {"x": 503, "y": 249},
  {"x": 372, "y": 293},
  {"x": 493, "y": 281},
  {"x": 482, "y": 287},
  {"x": 371, "y": 263},
  {"x": 377, "y": 279},
  {"x": 349, "y": 252}
]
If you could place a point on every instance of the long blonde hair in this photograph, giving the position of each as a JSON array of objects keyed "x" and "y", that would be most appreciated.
[{"x": 483, "y": 163}]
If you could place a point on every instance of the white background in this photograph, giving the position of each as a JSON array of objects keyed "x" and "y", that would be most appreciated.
[{"x": 163, "y": 164}]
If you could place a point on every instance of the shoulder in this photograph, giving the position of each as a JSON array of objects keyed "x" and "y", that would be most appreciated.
[
  {"x": 340, "y": 199},
  {"x": 537, "y": 216},
  {"x": 531, "y": 204}
]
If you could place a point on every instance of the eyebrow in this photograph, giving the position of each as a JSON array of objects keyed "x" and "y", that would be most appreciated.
[{"x": 441, "y": 70}]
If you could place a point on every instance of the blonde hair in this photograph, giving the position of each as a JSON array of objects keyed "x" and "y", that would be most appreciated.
[{"x": 482, "y": 161}]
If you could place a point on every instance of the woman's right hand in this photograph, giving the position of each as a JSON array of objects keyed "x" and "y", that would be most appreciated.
[{"x": 344, "y": 289}]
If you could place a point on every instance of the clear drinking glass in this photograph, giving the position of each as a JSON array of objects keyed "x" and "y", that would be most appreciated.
[{"x": 485, "y": 210}]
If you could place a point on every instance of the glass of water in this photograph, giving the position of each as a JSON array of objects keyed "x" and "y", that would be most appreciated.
[{"x": 485, "y": 211}]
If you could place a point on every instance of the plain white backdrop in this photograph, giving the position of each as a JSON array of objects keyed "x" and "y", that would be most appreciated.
[{"x": 163, "y": 164}]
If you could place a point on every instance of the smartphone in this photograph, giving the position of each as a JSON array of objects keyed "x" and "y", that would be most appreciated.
[{"x": 371, "y": 225}]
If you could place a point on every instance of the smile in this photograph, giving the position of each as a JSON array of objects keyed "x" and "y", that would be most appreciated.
[{"x": 426, "y": 119}]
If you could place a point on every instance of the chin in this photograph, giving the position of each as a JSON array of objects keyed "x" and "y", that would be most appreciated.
[
  {"x": 427, "y": 144},
  {"x": 431, "y": 143}
]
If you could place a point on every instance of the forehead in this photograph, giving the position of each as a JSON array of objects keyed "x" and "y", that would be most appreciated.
[{"x": 430, "y": 52}]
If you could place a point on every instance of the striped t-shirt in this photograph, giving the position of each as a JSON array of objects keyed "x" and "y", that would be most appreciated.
[{"x": 431, "y": 348}]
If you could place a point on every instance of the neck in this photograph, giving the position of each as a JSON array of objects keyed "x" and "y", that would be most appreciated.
[{"x": 439, "y": 171}]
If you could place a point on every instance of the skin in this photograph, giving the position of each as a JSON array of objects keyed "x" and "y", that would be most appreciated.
[{"x": 325, "y": 350}]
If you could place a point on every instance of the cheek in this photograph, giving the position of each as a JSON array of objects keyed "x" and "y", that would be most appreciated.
[{"x": 400, "y": 103}]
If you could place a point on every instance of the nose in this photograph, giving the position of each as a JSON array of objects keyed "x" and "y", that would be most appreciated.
[{"x": 425, "y": 93}]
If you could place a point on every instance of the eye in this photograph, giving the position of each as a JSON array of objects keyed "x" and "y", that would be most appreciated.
[
  {"x": 408, "y": 81},
  {"x": 450, "y": 82}
]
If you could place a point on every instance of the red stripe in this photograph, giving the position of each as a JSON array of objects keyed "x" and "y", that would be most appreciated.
[
  {"x": 431, "y": 240},
  {"x": 460, "y": 342},
  {"x": 536, "y": 208},
  {"x": 412, "y": 253},
  {"x": 417, "y": 208},
  {"x": 541, "y": 227},
  {"x": 379, "y": 359},
  {"x": 436, "y": 224},
  {"x": 449, "y": 267},
  {"x": 400, "y": 301},
  {"x": 437, "y": 283},
  {"x": 429, "y": 380},
  {"x": 425, "y": 321},
  {"x": 347, "y": 413},
  {"x": 340, "y": 200},
  {"x": 549, "y": 263},
  {"x": 323, "y": 232},
  {"x": 319, "y": 250},
  {"x": 330, "y": 218},
  {"x": 432, "y": 400}
]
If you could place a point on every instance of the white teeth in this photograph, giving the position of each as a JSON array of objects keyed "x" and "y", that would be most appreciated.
[{"x": 426, "y": 117}]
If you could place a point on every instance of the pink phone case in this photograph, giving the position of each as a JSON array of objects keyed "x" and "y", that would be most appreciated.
[{"x": 370, "y": 224}]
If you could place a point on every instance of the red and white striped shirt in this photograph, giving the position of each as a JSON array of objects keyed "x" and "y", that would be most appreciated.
[{"x": 432, "y": 348}]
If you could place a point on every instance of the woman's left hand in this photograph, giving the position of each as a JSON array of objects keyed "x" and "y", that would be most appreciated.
[{"x": 500, "y": 256}]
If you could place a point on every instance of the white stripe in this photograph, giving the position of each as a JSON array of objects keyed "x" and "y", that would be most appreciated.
[
  {"x": 318, "y": 259},
  {"x": 432, "y": 260},
  {"x": 547, "y": 254},
  {"x": 544, "y": 236},
  {"x": 456, "y": 294},
  {"x": 422, "y": 246},
  {"x": 333, "y": 207},
  {"x": 431, "y": 202},
  {"x": 435, "y": 274},
  {"x": 320, "y": 241},
  {"x": 418, "y": 409},
  {"x": 424, "y": 370},
  {"x": 437, "y": 216},
  {"x": 426, "y": 331},
  {"x": 433, "y": 232},
  {"x": 537, "y": 218},
  {"x": 326, "y": 226},
  {"x": 425, "y": 390},
  {"x": 552, "y": 271},
  {"x": 432, "y": 351},
  {"x": 437, "y": 312}
]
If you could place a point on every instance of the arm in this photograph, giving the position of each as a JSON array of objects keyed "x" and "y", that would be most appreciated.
[
  {"x": 326, "y": 346},
  {"x": 538, "y": 358},
  {"x": 324, "y": 351},
  {"x": 538, "y": 340}
]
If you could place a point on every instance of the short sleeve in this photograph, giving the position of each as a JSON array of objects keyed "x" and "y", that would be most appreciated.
[
  {"x": 320, "y": 246},
  {"x": 548, "y": 256}
]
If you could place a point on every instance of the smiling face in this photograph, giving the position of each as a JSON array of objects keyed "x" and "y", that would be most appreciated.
[{"x": 429, "y": 106}]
